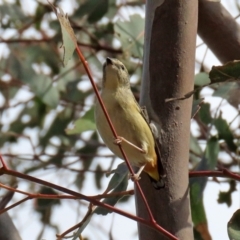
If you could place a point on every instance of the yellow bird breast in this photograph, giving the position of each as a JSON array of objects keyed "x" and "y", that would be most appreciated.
[{"x": 129, "y": 124}]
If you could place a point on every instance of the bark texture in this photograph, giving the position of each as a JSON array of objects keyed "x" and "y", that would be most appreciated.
[
  {"x": 171, "y": 28},
  {"x": 219, "y": 30}
]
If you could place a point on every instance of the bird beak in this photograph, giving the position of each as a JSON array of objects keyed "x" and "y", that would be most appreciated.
[{"x": 109, "y": 61}]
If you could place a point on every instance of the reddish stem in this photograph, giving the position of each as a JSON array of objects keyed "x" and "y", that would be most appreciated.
[
  {"x": 113, "y": 129},
  {"x": 221, "y": 173},
  {"x": 153, "y": 225},
  {"x": 14, "y": 205}
]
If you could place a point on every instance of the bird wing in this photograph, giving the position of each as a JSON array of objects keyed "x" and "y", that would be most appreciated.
[{"x": 154, "y": 131}]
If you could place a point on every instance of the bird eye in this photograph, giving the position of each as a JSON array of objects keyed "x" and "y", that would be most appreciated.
[{"x": 122, "y": 67}]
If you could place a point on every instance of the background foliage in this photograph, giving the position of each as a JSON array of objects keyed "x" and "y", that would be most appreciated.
[{"x": 40, "y": 99}]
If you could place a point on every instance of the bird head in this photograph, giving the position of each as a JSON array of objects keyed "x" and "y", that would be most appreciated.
[{"x": 115, "y": 74}]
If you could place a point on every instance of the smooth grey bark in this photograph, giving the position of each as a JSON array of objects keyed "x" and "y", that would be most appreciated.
[
  {"x": 8, "y": 230},
  {"x": 219, "y": 30},
  {"x": 169, "y": 58}
]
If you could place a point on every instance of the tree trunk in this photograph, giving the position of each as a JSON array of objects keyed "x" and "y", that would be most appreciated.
[
  {"x": 170, "y": 40},
  {"x": 219, "y": 30}
]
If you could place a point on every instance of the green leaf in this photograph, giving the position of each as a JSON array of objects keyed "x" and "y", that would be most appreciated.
[
  {"x": 72, "y": 93},
  {"x": 36, "y": 113},
  {"x": 8, "y": 89},
  {"x": 197, "y": 207},
  {"x": 226, "y": 197},
  {"x": 69, "y": 39},
  {"x": 212, "y": 151},
  {"x": 196, "y": 106},
  {"x": 20, "y": 66},
  {"x": 197, "y": 235},
  {"x": 58, "y": 126},
  {"x": 94, "y": 9},
  {"x": 119, "y": 175},
  {"x": 226, "y": 73},
  {"x": 112, "y": 9},
  {"x": 233, "y": 226},
  {"x": 13, "y": 16},
  {"x": 201, "y": 79},
  {"x": 131, "y": 35},
  {"x": 100, "y": 10},
  {"x": 224, "y": 89},
  {"x": 41, "y": 53},
  {"x": 195, "y": 150},
  {"x": 194, "y": 145},
  {"x": 205, "y": 113},
  {"x": 85, "y": 8},
  {"x": 122, "y": 186},
  {"x": 224, "y": 132},
  {"x": 43, "y": 87},
  {"x": 85, "y": 123},
  {"x": 230, "y": 92},
  {"x": 98, "y": 176}
]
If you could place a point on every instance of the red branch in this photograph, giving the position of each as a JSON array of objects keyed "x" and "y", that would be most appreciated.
[
  {"x": 220, "y": 173},
  {"x": 5, "y": 170},
  {"x": 113, "y": 129},
  {"x": 152, "y": 220},
  {"x": 98, "y": 47}
]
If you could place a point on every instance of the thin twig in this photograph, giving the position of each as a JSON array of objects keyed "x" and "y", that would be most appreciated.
[
  {"x": 113, "y": 129},
  {"x": 154, "y": 225},
  {"x": 89, "y": 212},
  {"x": 220, "y": 173}
]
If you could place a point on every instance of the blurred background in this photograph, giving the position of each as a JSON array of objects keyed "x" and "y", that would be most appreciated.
[{"x": 40, "y": 99}]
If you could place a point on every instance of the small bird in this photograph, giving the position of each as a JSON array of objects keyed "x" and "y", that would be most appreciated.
[{"x": 137, "y": 135}]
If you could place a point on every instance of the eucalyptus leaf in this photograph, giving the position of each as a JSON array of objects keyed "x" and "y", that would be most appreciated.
[
  {"x": 229, "y": 72},
  {"x": 69, "y": 39},
  {"x": 43, "y": 87},
  {"x": 85, "y": 123},
  {"x": 196, "y": 106},
  {"x": 201, "y": 79},
  {"x": 212, "y": 151},
  {"x": 94, "y": 9},
  {"x": 119, "y": 175},
  {"x": 233, "y": 226},
  {"x": 229, "y": 91},
  {"x": 197, "y": 207},
  {"x": 226, "y": 196},
  {"x": 205, "y": 113},
  {"x": 225, "y": 132},
  {"x": 131, "y": 35},
  {"x": 122, "y": 186},
  {"x": 194, "y": 146}
]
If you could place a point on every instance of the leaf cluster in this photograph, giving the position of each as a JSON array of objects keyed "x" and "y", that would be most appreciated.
[{"x": 51, "y": 107}]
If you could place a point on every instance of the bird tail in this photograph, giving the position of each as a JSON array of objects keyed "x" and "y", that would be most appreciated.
[
  {"x": 161, "y": 171},
  {"x": 157, "y": 184}
]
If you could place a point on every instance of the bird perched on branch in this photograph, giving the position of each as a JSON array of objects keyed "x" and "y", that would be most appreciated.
[{"x": 137, "y": 135}]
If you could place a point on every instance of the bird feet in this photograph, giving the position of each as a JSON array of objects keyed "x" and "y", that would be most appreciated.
[
  {"x": 119, "y": 140},
  {"x": 134, "y": 177}
]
